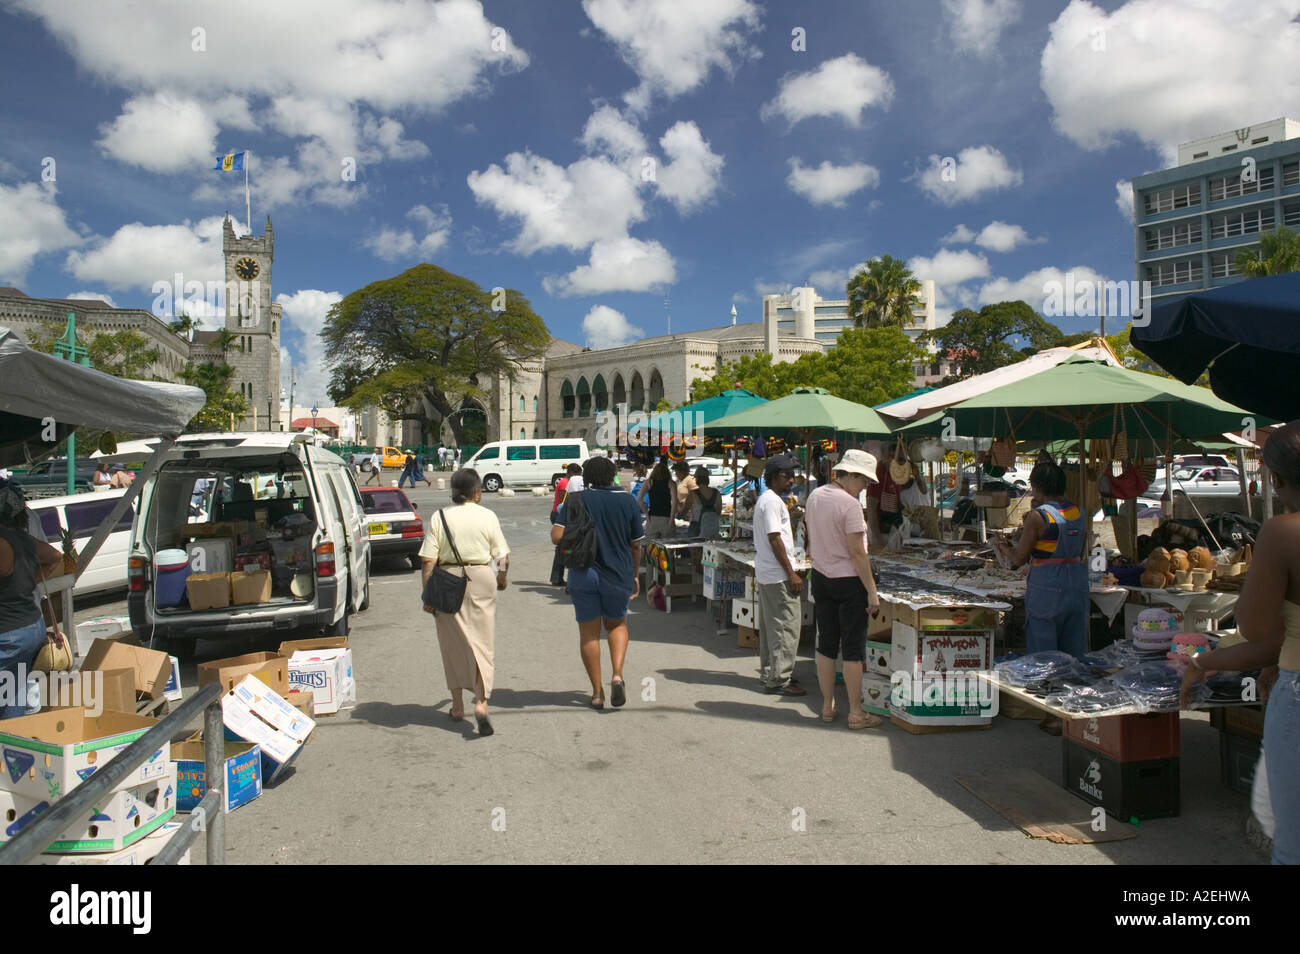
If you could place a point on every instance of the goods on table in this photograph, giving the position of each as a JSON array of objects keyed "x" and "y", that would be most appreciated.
[
  {"x": 1154, "y": 631},
  {"x": 1185, "y": 646},
  {"x": 1036, "y": 668},
  {"x": 1154, "y": 686}
]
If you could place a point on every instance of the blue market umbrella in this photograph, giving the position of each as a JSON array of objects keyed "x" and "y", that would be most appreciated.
[{"x": 1247, "y": 334}]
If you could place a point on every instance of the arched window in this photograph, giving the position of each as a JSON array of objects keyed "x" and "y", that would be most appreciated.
[
  {"x": 600, "y": 393},
  {"x": 656, "y": 391},
  {"x": 636, "y": 397},
  {"x": 620, "y": 391},
  {"x": 534, "y": 404},
  {"x": 535, "y": 432},
  {"x": 522, "y": 434},
  {"x": 584, "y": 397},
  {"x": 521, "y": 402},
  {"x": 566, "y": 398}
]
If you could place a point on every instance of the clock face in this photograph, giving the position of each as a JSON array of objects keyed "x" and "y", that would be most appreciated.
[{"x": 246, "y": 269}]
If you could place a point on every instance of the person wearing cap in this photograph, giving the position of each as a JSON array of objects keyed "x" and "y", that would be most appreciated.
[
  {"x": 119, "y": 476},
  {"x": 843, "y": 588},
  {"x": 1057, "y": 600},
  {"x": 778, "y": 584}
]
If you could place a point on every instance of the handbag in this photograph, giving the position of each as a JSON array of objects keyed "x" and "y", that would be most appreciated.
[
  {"x": 445, "y": 591},
  {"x": 900, "y": 469},
  {"x": 52, "y": 657}
]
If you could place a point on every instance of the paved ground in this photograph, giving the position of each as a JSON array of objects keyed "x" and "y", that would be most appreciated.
[{"x": 704, "y": 768}]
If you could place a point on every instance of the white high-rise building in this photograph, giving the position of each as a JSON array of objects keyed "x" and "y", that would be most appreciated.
[{"x": 803, "y": 313}]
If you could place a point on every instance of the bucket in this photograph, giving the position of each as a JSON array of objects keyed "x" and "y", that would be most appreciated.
[{"x": 173, "y": 571}]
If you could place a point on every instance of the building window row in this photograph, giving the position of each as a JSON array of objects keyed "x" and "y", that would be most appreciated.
[
  {"x": 1291, "y": 215},
  {"x": 1246, "y": 222},
  {"x": 1172, "y": 236},
  {"x": 1223, "y": 265},
  {"x": 1291, "y": 173},
  {"x": 1167, "y": 200},
  {"x": 1230, "y": 187},
  {"x": 1174, "y": 273}
]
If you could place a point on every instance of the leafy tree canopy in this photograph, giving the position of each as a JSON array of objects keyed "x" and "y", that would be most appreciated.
[
  {"x": 427, "y": 336},
  {"x": 1278, "y": 253},
  {"x": 995, "y": 336},
  {"x": 223, "y": 404}
]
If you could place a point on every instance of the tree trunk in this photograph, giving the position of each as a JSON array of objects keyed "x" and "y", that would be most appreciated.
[{"x": 449, "y": 414}]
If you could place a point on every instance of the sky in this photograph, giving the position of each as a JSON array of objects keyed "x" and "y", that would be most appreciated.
[{"x": 622, "y": 163}]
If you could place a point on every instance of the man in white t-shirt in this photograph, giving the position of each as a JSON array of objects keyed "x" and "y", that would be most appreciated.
[{"x": 777, "y": 582}]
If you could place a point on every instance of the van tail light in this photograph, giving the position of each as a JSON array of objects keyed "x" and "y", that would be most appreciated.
[
  {"x": 325, "y": 559},
  {"x": 137, "y": 574},
  {"x": 413, "y": 528}
]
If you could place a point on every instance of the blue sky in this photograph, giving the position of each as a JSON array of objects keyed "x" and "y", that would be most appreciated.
[{"x": 600, "y": 155}]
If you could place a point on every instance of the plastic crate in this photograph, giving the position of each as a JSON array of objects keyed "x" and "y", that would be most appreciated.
[
  {"x": 1129, "y": 738},
  {"x": 1126, "y": 790}
]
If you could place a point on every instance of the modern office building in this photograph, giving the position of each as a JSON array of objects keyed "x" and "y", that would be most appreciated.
[
  {"x": 805, "y": 314},
  {"x": 1191, "y": 221}
]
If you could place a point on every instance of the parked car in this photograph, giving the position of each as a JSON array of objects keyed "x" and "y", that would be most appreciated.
[
  {"x": 81, "y": 515},
  {"x": 1196, "y": 480},
  {"x": 529, "y": 463},
  {"x": 395, "y": 527},
  {"x": 718, "y": 469},
  {"x": 313, "y": 534},
  {"x": 49, "y": 478}
]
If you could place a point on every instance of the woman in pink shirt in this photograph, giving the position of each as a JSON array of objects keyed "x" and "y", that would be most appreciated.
[{"x": 844, "y": 591}]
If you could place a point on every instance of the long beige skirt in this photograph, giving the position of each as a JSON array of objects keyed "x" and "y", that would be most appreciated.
[{"x": 466, "y": 639}]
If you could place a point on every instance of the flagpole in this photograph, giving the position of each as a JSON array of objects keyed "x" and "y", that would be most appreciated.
[{"x": 248, "y": 201}]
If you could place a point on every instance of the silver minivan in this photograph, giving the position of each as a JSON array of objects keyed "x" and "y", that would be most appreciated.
[{"x": 270, "y": 501}]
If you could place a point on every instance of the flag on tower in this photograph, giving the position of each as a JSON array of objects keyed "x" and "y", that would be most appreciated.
[{"x": 232, "y": 161}]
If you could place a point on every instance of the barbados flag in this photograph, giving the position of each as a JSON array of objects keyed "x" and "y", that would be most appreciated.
[{"x": 233, "y": 161}]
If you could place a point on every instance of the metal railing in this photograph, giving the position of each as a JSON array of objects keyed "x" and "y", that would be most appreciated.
[{"x": 208, "y": 815}]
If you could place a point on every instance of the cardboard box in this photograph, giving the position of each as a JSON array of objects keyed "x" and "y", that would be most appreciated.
[
  {"x": 271, "y": 668},
  {"x": 876, "y": 688},
  {"x": 115, "y": 691},
  {"x": 746, "y": 637},
  {"x": 881, "y": 622},
  {"x": 151, "y": 667},
  {"x": 212, "y": 555},
  {"x": 323, "y": 667},
  {"x": 749, "y": 612},
  {"x": 143, "y": 852},
  {"x": 121, "y": 818},
  {"x": 993, "y": 498},
  {"x": 942, "y": 617},
  {"x": 941, "y": 666},
  {"x": 101, "y": 628},
  {"x": 49, "y": 754},
  {"x": 243, "y": 762},
  {"x": 172, "y": 691},
  {"x": 304, "y": 702},
  {"x": 255, "y": 713},
  {"x": 879, "y": 658},
  {"x": 208, "y": 590},
  {"x": 251, "y": 587},
  {"x": 720, "y": 584}
]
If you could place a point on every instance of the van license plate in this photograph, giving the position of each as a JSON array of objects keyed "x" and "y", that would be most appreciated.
[{"x": 378, "y": 528}]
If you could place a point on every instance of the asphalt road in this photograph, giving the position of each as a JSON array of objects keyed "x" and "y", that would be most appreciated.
[{"x": 698, "y": 767}]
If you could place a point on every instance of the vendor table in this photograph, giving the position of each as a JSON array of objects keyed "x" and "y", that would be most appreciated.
[
  {"x": 1038, "y": 702},
  {"x": 673, "y": 565}
]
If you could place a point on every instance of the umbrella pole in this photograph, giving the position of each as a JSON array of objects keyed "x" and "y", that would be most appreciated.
[{"x": 1241, "y": 476}]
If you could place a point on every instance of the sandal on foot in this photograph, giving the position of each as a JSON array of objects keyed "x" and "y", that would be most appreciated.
[
  {"x": 598, "y": 702},
  {"x": 617, "y": 693},
  {"x": 831, "y": 716},
  {"x": 456, "y": 716},
  {"x": 484, "y": 723},
  {"x": 868, "y": 722}
]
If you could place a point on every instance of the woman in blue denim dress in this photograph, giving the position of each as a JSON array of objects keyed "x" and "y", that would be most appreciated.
[
  {"x": 24, "y": 561},
  {"x": 1268, "y": 615}
]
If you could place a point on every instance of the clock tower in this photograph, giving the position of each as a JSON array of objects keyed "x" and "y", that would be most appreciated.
[{"x": 255, "y": 322}]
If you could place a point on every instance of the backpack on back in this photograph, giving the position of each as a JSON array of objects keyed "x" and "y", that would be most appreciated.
[{"x": 578, "y": 543}]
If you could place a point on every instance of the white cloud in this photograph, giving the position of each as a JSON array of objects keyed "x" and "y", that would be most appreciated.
[
  {"x": 771, "y": 288},
  {"x": 162, "y": 132},
  {"x": 305, "y": 312},
  {"x": 977, "y": 25},
  {"x": 975, "y": 171},
  {"x": 1002, "y": 237},
  {"x": 1124, "y": 198},
  {"x": 91, "y": 296},
  {"x": 830, "y": 185},
  {"x": 958, "y": 236},
  {"x": 1110, "y": 75},
  {"x": 136, "y": 256},
  {"x": 364, "y": 58},
  {"x": 608, "y": 131},
  {"x": 617, "y": 265},
  {"x": 607, "y": 328},
  {"x": 693, "y": 171},
  {"x": 673, "y": 46},
  {"x": 559, "y": 207},
  {"x": 830, "y": 282},
  {"x": 949, "y": 267},
  {"x": 738, "y": 298},
  {"x": 395, "y": 245},
  {"x": 841, "y": 87},
  {"x": 31, "y": 224},
  {"x": 1033, "y": 287}
]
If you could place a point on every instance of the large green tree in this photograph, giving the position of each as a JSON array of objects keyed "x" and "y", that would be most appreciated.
[
  {"x": 1278, "y": 253},
  {"x": 883, "y": 293},
  {"x": 867, "y": 365},
  {"x": 995, "y": 336},
  {"x": 124, "y": 353},
  {"x": 427, "y": 336}
]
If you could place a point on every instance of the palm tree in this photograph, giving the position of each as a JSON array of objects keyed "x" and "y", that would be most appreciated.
[
  {"x": 184, "y": 326},
  {"x": 1278, "y": 252},
  {"x": 884, "y": 293},
  {"x": 225, "y": 340}
]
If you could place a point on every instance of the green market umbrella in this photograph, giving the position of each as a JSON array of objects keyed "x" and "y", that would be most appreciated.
[
  {"x": 801, "y": 414},
  {"x": 685, "y": 417}
]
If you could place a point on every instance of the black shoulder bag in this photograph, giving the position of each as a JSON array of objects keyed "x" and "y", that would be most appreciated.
[
  {"x": 578, "y": 544},
  {"x": 445, "y": 591}
]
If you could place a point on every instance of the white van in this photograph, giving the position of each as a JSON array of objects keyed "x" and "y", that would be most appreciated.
[
  {"x": 273, "y": 501},
  {"x": 82, "y": 514},
  {"x": 534, "y": 463}
]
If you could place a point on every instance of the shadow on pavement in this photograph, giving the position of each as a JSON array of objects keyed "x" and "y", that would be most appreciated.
[
  {"x": 400, "y": 716},
  {"x": 536, "y": 698},
  {"x": 713, "y": 677}
]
